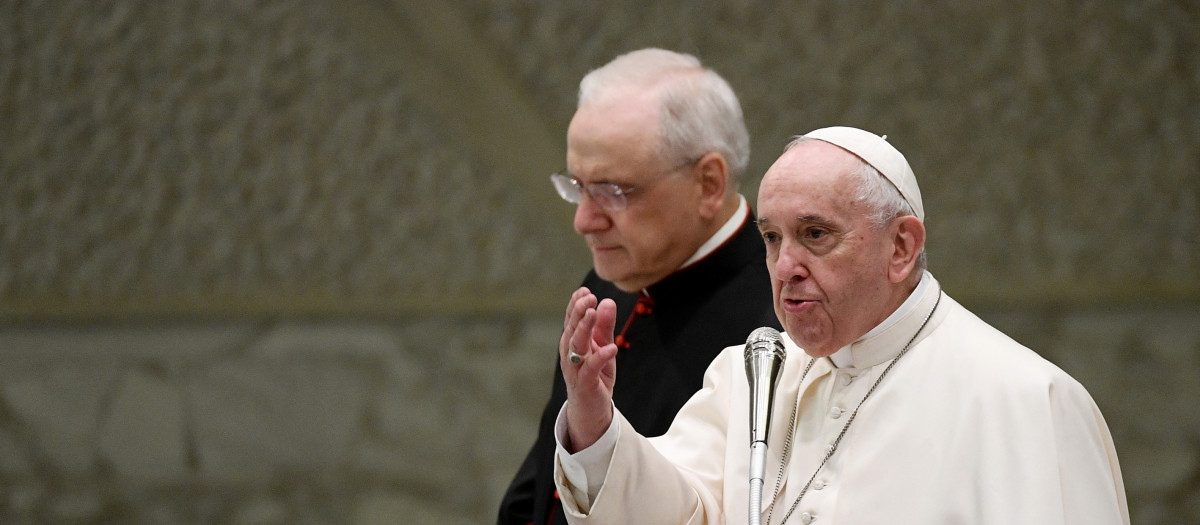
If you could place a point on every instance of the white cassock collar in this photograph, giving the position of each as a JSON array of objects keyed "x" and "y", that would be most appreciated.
[{"x": 844, "y": 358}]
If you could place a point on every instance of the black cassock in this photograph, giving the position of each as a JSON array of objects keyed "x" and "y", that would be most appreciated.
[{"x": 667, "y": 338}]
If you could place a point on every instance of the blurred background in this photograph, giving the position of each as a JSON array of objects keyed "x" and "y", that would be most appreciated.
[{"x": 274, "y": 261}]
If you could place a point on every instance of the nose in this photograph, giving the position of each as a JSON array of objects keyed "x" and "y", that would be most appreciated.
[
  {"x": 790, "y": 263},
  {"x": 590, "y": 217}
]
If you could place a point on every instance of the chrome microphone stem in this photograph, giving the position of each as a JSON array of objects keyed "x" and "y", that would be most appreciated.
[{"x": 758, "y": 471}]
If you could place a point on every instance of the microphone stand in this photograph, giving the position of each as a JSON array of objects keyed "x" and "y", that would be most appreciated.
[{"x": 764, "y": 361}]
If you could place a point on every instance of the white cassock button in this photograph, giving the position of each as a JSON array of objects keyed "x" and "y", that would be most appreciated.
[
  {"x": 806, "y": 518},
  {"x": 846, "y": 379},
  {"x": 818, "y": 485},
  {"x": 835, "y": 412}
]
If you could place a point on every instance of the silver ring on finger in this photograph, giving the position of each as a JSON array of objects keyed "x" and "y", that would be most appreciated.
[{"x": 574, "y": 356}]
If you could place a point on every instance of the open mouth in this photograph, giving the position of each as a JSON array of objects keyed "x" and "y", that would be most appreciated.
[{"x": 793, "y": 305}]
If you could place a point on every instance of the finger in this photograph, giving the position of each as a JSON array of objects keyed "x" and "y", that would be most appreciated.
[
  {"x": 584, "y": 305},
  {"x": 604, "y": 360},
  {"x": 571, "y": 305},
  {"x": 606, "y": 322},
  {"x": 581, "y": 339},
  {"x": 580, "y": 302}
]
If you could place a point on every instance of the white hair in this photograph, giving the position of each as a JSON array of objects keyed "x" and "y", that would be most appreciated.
[{"x": 699, "y": 110}]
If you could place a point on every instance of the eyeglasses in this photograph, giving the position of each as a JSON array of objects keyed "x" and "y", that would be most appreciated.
[{"x": 608, "y": 196}]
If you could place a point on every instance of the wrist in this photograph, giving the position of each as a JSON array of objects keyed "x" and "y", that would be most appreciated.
[{"x": 583, "y": 432}]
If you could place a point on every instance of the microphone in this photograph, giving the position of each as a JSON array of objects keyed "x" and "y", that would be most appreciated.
[{"x": 764, "y": 361}]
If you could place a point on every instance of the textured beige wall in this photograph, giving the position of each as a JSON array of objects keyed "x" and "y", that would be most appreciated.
[
  {"x": 216, "y": 158},
  {"x": 298, "y": 262}
]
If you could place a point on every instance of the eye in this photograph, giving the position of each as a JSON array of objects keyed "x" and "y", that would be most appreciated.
[
  {"x": 770, "y": 237},
  {"x": 616, "y": 191},
  {"x": 816, "y": 233}
]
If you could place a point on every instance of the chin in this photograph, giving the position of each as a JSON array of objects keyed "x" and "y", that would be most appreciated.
[
  {"x": 810, "y": 343},
  {"x": 818, "y": 353},
  {"x": 621, "y": 281},
  {"x": 606, "y": 272}
]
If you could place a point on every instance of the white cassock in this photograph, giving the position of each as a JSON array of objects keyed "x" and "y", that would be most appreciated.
[{"x": 969, "y": 427}]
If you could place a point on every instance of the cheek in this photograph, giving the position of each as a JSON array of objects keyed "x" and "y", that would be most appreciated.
[
  {"x": 646, "y": 242},
  {"x": 627, "y": 232},
  {"x": 776, "y": 289},
  {"x": 660, "y": 229},
  {"x": 642, "y": 236}
]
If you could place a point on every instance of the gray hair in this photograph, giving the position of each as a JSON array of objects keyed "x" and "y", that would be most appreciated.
[
  {"x": 699, "y": 110},
  {"x": 881, "y": 198}
]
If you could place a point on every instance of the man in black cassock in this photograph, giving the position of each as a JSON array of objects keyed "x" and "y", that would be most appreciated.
[{"x": 655, "y": 152}]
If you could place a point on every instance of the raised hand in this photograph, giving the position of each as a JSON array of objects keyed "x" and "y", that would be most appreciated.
[{"x": 588, "y": 333}]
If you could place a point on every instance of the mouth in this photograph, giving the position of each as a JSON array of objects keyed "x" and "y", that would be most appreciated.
[
  {"x": 798, "y": 305},
  {"x": 598, "y": 247}
]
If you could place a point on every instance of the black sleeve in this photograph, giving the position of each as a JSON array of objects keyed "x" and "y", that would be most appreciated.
[
  {"x": 517, "y": 506},
  {"x": 532, "y": 489}
]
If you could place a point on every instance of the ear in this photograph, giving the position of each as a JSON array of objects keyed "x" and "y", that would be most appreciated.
[
  {"x": 713, "y": 175},
  {"x": 908, "y": 239}
]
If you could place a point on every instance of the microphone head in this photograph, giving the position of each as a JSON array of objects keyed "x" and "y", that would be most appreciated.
[
  {"x": 764, "y": 361},
  {"x": 765, "y": 339}
]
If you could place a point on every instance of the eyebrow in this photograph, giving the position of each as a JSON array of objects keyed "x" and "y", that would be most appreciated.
[
  {"x": 763, "y": 221},
  {"x": 622, "y": 185}
]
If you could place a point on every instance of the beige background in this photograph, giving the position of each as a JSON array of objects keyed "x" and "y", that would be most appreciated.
[{"x": 269, "y": 261}]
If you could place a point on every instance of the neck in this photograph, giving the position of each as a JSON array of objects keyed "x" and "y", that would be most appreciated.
[
  {"x": 878, "y": 344},
  {"x": 720, "y": 231},
  {"x": 728, "y": 208}
]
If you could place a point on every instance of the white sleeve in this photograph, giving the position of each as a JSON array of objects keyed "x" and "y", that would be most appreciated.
[{"x": 588, "y": 467}]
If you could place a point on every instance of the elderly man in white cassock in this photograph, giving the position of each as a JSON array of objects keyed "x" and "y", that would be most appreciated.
[{"x": 894, "y": 404}]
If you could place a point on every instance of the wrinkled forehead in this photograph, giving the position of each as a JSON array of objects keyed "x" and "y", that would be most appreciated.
[
  {"x": 813, "y": 178},
  {"x": 612, "y": 144},
  {"x": 812, "y": 162}
]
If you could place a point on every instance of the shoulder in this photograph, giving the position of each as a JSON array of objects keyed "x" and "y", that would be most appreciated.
[
  {"x": 972, "y": 349},
  {"x": 727, "y": 368}
]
